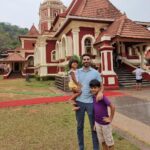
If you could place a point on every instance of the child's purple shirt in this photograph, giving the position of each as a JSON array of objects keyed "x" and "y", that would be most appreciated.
[{"x": 101, "y": 110}]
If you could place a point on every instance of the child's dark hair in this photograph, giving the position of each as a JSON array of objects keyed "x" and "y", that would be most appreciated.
[
  {"x": 72, "y": 61},
  {"x": 94, "y": 83}
]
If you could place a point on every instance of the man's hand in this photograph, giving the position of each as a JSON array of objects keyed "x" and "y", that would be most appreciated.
[{"x": 99, "y": 96}]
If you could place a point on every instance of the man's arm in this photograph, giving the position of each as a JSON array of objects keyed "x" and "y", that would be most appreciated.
[{"x": 100, "y": 93}]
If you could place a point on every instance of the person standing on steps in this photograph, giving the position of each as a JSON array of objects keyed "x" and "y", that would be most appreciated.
[
  {"x": 138, "y": 75},
  {"x": 119, "y": 60}
]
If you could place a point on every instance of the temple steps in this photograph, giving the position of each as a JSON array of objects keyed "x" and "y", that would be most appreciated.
[
  {"x": 127, "y": 79},
  {"x": 14, "y": 75}
]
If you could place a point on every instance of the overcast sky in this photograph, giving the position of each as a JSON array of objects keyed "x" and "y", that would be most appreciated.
[{"x": 25, "y": 12}]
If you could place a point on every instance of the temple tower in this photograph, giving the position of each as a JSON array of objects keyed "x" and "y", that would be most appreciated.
[{"x": 49, "y": 9}]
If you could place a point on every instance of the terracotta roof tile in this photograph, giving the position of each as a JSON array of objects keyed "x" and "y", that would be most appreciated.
[
  {"x": 33, "y": 31},
  {"x": 94, "y": 9},
  {"x": 14, "y": 57},
  {"x": 127, "y": 28}
]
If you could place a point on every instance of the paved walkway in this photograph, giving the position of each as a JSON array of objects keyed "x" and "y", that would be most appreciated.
[{"x": 132, "y": 118}]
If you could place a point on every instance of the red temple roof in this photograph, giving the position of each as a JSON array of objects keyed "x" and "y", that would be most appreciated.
[
  {"x": 33, "y": 31},
  {"x": 126, "y": 28},
  {"x": 14, "y": 57},
  {"x": 93, "y": 9}
]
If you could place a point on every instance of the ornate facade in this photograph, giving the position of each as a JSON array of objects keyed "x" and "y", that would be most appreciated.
[{"x": 96, "y": 27}]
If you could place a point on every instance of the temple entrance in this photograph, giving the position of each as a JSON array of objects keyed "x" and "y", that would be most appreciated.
[
  {"x": 16, "y": 67},
  {"x": 115, "y": 55}
]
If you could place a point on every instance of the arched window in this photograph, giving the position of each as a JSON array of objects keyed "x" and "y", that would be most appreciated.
[
  {"x": 30, "y": 62},
  {"x": 53, "y": 55},
  {"x": 88, "y": 45}
]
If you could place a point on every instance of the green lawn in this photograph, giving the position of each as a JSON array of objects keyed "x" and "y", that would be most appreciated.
[
  {"x": 45, "y": 127},
  {"x": 19, "y": 89}
]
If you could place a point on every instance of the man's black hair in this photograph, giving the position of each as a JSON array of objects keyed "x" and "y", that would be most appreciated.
[
  {"x": 86, "y": 54},
  {"x": 72, "y": 61},
  {"x": 94, "y": 83}
]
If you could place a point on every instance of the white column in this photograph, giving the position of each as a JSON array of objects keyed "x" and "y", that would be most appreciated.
[
  {"x": 69, "y": 46},
  {"x": 60, "y": 50},
  {"x": 109, "y": 76},
  {"x": 75, "y": 33},
  {"x": 42, "y": 59}
]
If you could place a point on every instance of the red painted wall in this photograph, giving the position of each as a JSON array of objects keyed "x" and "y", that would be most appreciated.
[
  {"x": 30, "y": 71},
  {"x": 49, "y": 48},
  {"x": 84, "y": 31},
  {"x": 27, "y": 54},
  {"x": 109, "y": 61},
  {"x": 29, "y": 44},
  {"x": 52, "y": 70},
  {"x": 146, "y": 76},
  {"x": 44, "y": 26}
]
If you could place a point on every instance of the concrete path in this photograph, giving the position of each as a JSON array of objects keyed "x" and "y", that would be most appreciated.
[{"x": 132, "y": 117}]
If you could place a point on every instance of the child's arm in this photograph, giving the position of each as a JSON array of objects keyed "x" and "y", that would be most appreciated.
[
  {"x": 112, "y": 112},
  {"x": 74, "y": 77}
]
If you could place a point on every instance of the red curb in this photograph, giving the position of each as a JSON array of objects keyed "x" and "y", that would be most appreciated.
[
  {"x": 44, "y": 100},
  {"x": 33, "y": 101}
]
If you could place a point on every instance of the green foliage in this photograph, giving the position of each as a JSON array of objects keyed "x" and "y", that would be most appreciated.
[
  {"x": 66, "y": 69},
  {"x": 9, "y": 36}
]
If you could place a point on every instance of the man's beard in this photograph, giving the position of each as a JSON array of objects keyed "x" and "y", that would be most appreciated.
[{"x": 86, "y": 65}]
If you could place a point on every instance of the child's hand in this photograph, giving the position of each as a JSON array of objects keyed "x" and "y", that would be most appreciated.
[
  {"x": 99, "y": 96},
  {"x": 80, "y": 85},
  {"x": 107, "y": 119}
]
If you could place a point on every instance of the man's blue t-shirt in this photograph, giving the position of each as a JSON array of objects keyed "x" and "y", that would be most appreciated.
[{"x": 84, "y": 78}]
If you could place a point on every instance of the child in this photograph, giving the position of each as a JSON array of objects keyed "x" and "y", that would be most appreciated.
[
  {"x": 102, "y": 119},
  {"x": 74, "y": 85}
]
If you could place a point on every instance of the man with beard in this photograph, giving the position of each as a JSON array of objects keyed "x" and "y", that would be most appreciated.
[{"x": 85, "y": 100}]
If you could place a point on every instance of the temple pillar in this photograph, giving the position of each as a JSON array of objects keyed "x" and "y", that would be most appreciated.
[
  {"x": 75, "y": 33},
  {"x": 110, "y": 80},
  {"x": 42, "y": 71}
]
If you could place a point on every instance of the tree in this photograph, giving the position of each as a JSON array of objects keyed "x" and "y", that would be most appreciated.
[{"x": 9, "y": 36}]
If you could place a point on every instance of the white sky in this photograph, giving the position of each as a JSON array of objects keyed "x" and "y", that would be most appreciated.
[{"x": 25, "y": 12}]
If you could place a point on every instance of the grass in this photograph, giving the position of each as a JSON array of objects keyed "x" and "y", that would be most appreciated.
[
  {"x": 20, "y": 89},
  {"x": 45, "y": 127},
  {"x": 22, "y": 83},
  {"x": 31, "y": 93},
  {"x": 41, "y": 127},
  {"x": 1, "y": 77}
]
